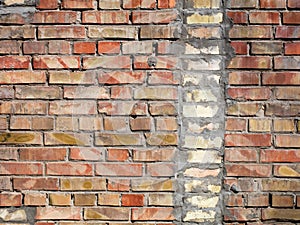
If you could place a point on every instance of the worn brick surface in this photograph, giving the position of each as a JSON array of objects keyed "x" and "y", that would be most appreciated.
[{"x": 260, "y": 131}]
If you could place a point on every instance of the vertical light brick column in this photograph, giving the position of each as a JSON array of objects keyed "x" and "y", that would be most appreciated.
[{"x": 202, "y": 111}]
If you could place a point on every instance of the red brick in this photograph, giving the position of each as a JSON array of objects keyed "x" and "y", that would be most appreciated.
[
  {"x": 132, "y": 199},
  {"x": 291, "y": 17},
  {"x": 8, "y": 154},
  {"x": 58, "y": 213},
  {"x": 118, "y": 77},
  {"x": 38, "y": 92},
  {"x": 10, "y": 199},
  {"x": 240, "y": 155},
  {"x": 17, "y": 32},
  {"x": 293, "y": 4},
  {"x": 61, "y": 32},
  {"x": 12, "y": 18},
  {"x": 140, "y": 123},
  {"x": 149, "y": 214},
  {"x": 243, "y": 78},
  {"x": 262, "y": 140},
  {"x": 105, "y": 17},
  {"x": 287, "y": 32},
  {"x": 264, "y": 17},
  {"x": 249, "y": 93},
  {"x": 14, "y": 62},
  {"x": 9, "y": 47},
  {"x": 70, "y": 169},
  {"x": 161, "y": 62},
  {"x": 84, "y": 47},
  {"x": 241, "y": 214},
  {"x": 63, "y": 17},
  {"x": 235, "y": 124},
  {"x": 278, "y": 109},
  {"x": 238, "y": 17},
  {"x": 270, "y": 4},
  {"x": 77, "y": 4},
  {"x": 240, "y": 48},
  {"x": 121, "y": 92},
  {"x": 42, "y": 154},
  {"x": 131, "y": 4},
  {"x": 251, "y": 62},
  {"x": 116, "y": 154},
  {"x": 234, "y": 200},
  {"x": 72, "y": 107},
  {"x": 248, "y": 170},
  {"x": 18, "y": 168},
  {"x": 292, "y": 48},
  {"x": 118, "y": 169},
  {"x": 47, "y": 4},
  {"x": 108, "y": 47},
  {"x": 287, "y": 93},
  {"x": 279, "y": 155},
  {"x": 281, "y": 78},
  {"x": 257, "y": 200},
  {"x": 166, "y": 4},
  {"x": 156, "y": 17},
  {"x": 282, "y": 200}
]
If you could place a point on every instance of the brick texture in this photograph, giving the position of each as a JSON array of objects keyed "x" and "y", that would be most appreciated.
[{"x": 261, "y": 155}]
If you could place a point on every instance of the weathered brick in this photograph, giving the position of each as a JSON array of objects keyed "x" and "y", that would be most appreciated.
[
  {"x": 251, "y": 31},
  {"x": 121, "y": 92},
  {"x": 115, "y": 123},
  {"x": 35, "y": 199},
  {"x": 260, "y": 125},
  {"x": 119, "y": 32},
  {"x": 117, "y": 154},
  {"x": 153, "y": 185},
  {"x": 153, "y": 155},
  {"x": 159, "y": 32},
  {"x": 122, "y": 108},
  {"x": 243, "y": 78},
  {"x": 35, "y": 183},
  {"x": 281, "y": 214},
  {"x": 43, "y": 154},
  {"x": 59, "y": 47},
  {"x": 264, "y": 17},
  {"x": 293, "y": 4},
  {"x": 291, "y": 18},
  {"x": 61, "y": 32},
  {"x": 162, "y": 139},
  {"x": 146, "y": 214},
  {"x": 14, "y": 62},
  {"x": 284, "y": 125},
  {"x": 124, "y": 77},
  {"x": 109, "y": 4},
  {"x": 241, "y": 214},
  {"x": 166, "y": 4},
  {"x": 17, "y": 32},
  {"x": 105, "y": 213},
  {"x": 47, "y": 4},
  {"x": 238, "y": 17},
  {"x": 240, "y": 155},
  {"x": 20, "y": 168},
  {"x": 287, "y": 32},
  {"x": 84, "y": 199},
  {"x": 65, "y": 17},
  {"x": 240, "y": 48},
  {"x": 58, "y": 213},
  {"x": 249, "y": 93},
  {"x": 161, "y": 170},
  {"x": 156, "y": 17},
  {"x": 66, "y": 77},
  {"x": 107, "y": 62},
  {"x": 109, "y": 199},
  {"x": 11, "y": 138},
  {"x": 248, "y": 140},
  {"x": 251, "y": 62},
  {"x": 56, "y": 62},
  {"x": 10, "y": 199},
  {"x": 38, "y": 92},
  {"x": 243, "y": 4},
  {"x": 81, "y": 184},
  {"x": 72, "y": 108},
  {"x": 235, "y": 124},
  {"x": 282, "y": 200},
  {"x": 80, "y": 139},
  {"x": 91, "y": 92},
  {"x": 77, "y": 4},
  {"x": 263, "y": 48},
  {"x": 243, "y": 109},
  {"x": 106, "y": 139},
  {"x": 248, "y": 170},
  {"x": 165, "y": 199},
  {"x": 280, "y": 185},
  {"x": 9, "y": 47},
  {"x": 269, "y": 4},
  {"x": 87, "y": 154},
  {"x": 117, "y": 169},
  {"x": 118, "y": 184},
  {"x": 285, "y": 170},
  {"x": 157, "y": 93},
  {"x": 109, "y": 47},
  {"x": 105, "y": 17}
]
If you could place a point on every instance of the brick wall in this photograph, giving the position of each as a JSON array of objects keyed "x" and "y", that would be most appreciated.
[
  {"x": 113, "y": 112},
  {"x": 262, "y": 141}
]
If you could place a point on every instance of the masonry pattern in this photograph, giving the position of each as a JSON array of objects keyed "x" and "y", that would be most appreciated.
[{"x": 119, "y": 112}]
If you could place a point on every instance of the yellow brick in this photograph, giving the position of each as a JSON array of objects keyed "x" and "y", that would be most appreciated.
[
  {"x": 259, "y": 125},
  {"x": 199, "y": 19},
  {"x": 206, "y": 3},
  {"x": 60, "y": 199},
  {"x": 284, "y": 125}
]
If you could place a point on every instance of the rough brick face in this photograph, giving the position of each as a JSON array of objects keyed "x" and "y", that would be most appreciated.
[
  {"x": 123, "y": 112},
  {"x": 272, "y": 128}
]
